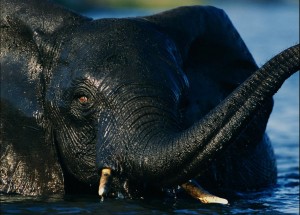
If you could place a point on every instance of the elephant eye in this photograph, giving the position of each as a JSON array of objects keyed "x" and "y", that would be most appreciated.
[
  {"x": 82, "y": 96},
  {"x": 83, "y": 100}
]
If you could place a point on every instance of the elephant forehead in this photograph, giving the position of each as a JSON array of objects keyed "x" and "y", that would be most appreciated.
[
  {"x": 101, "y": 39},
  {"x": 119, "y": 49}
]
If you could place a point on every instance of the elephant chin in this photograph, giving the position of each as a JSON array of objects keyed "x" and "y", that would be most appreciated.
[{"x": 184, "y": 153}]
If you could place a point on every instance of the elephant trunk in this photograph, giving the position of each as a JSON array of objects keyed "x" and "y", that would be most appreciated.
[{"x": 193, "y": 149}]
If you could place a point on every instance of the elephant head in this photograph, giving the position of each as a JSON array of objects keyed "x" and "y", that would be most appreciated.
[
  {"x": 150, "y": 97},
  {"x": 121, "y": 95}
]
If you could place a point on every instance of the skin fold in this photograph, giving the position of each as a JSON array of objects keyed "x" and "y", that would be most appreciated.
[{"x": 156, "y": 100}]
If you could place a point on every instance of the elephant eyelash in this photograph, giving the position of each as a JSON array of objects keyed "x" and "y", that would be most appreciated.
[
  {"x": 83, "y": 87},
  {"x": 83, "y": 81}
]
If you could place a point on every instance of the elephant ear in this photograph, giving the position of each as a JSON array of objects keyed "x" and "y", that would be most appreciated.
[
  {"x": 214, "y": 56},
  {"x": 29, "y": 160},
  {"x": 39, "y": 15}
]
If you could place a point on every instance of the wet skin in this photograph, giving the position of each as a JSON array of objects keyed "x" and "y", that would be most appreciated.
[{"x": 146, "y": 98}]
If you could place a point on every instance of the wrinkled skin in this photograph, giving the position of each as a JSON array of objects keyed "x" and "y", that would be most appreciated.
[{"x": 133, "y": 95}]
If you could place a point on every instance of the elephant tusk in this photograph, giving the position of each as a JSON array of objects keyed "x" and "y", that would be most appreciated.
[
  {"x": 199, "y": 193},
  {"x": 104, "y": 182}
]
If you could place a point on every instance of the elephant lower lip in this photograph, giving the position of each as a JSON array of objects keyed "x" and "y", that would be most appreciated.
[{"x": 104, "y": 183}]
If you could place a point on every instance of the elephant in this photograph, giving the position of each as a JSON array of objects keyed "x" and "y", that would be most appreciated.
[{"x": 158, "y": 100}]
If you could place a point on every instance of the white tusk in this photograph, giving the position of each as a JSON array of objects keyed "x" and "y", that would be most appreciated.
[
  {"x": 104, "y": 182},
  {"x": 199, "y": 193}
]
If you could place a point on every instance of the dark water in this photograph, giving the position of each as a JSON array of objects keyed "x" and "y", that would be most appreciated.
[{"x": 266, "y": 29}]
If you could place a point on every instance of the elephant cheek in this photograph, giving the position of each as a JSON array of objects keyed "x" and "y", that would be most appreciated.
[{"x": 76, "y": 156}]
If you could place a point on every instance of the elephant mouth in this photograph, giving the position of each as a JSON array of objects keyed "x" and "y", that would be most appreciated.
[{"x": 191, "y": 188}]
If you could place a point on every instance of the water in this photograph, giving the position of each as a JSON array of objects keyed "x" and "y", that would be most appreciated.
[{"x": 266, "y": 29}]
